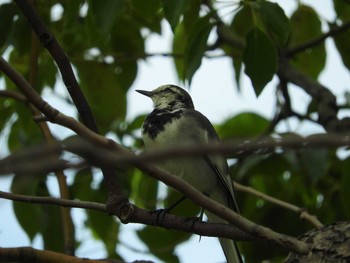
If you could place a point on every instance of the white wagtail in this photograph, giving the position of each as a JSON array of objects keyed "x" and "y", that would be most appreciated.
[{"x": 174, "y": 122}]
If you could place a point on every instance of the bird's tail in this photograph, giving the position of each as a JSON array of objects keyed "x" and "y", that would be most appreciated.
[
  {"x": 230, "y": 250},
  {"x": 228, "y": 245}
]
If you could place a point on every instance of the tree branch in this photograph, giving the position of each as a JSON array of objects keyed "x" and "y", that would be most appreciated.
[
  {"x": 301, "y": 211},
  {"x": 28, "y": 254}
]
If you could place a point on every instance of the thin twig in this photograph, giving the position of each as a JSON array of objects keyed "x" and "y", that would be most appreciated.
[{"x": 302, "y": 211}]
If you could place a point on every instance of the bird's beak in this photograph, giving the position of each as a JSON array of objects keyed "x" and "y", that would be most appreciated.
[{"x": 145, "y": 92}]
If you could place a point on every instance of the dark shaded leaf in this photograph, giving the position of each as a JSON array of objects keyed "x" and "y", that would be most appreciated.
[
  {"x": 242, "y": 22},
  {"x": 161, "y": 242},
  {"x": 7, "y": 13},
  {"x": 26, "y": 185},
  {"x": 173, "y": 9},
  {"x": 126, "y": 37},
  {"x": 105, "y": 13},
  {"x": 342, "y": 8},
  {"x": 315, "y": 163},
  {"x": 342, "y": 41},
  {"x": 104, "y": 87},
  {"x": 260, "y": 59},
  {"x": 276, "y": 22},
  {"x": 147, "y": 13}
]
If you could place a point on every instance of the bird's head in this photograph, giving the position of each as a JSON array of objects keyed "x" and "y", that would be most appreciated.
[{"x": 169, "y": 97}]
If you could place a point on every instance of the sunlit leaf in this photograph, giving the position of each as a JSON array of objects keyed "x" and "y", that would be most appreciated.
[
  {"x": 306, "y": 26},
  {"x": 243, "y": 125},
  {"x": 197, "y": 45}
]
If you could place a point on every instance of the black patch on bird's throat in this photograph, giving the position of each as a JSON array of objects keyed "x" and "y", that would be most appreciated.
[{"x": 156, "y": 121}]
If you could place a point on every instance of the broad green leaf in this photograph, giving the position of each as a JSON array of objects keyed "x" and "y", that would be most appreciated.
[
  {"x": 275, "y": 21},
  {"x": 243, "y": 125},
  {"x": 126, "y": 38},
  {"x": 147, "y": 13},
  {"x": 182, "y": 35},
  {"x": 7, "y": 13},
  {"x": 342, "y": 42},
  {"x": 315, "y": 162},
  {"x": 306, "y": 26},
  {"x": 342, "y": 8},
  {"x": 105, "y": 13},
  {"x": 260, "y": 59},
  {"x": 173, "y": 9},
  {"x": 24, "y": 132},
  {"x": 161, "y": 242},
  {"x": 242, "y": 22},
  {"x": 27, "y": 185},
  {"x": 104, "y": 227},
  {"x": 144, "y": 190},
  {"x": 179, "y": 46},
  {"x": 21, "y": 36},
  {"x": 81, "y": 186},
  {"x": 197, "y": 45},
  {"x": 104, "y": 87}
]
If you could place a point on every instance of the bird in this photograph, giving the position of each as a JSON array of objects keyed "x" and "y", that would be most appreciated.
[{"x": 174, "y": 122}]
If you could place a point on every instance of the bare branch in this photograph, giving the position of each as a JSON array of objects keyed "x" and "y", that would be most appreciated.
[
  {"x": 28, "y": 254},
  {"x": 54, "y": 201},
  {"x": 302, "y": 211}
]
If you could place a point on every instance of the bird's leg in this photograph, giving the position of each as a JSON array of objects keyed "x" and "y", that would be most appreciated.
[{"x": 161, "y": 212}]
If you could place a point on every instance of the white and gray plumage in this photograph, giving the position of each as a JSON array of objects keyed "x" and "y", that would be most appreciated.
[{"x": 174, "y": 122}]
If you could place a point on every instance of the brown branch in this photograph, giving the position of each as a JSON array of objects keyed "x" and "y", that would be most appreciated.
[
  {"x": 301, "y": 211},
  {"x": 13, "y": 94},
  {"x": 327, "y": 107},
  {"x": 28, "y": 254},
  {"x": 143, "y": 216},
  {"x": 53, "y": 201}
]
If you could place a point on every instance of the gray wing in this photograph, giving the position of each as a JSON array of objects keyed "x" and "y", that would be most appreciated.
[{"x": 216, "y": 162}]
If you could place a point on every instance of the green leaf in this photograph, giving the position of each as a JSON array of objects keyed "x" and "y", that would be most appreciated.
[
  {"x": 243, "y": 125},
  {"x": 144, "y": 190},
  {"x": 7, "y": 13},
  {"x": 275, "y": 21},
  {"x": 182, "y": 35},
  {"x": 342, "y": 42},
  {"x": 242, "y": 22},
  {"x": 306, "y": 26},
  {"x": 342, "y": 8},
  {"x": 173, "y": 9},
  {"x": 161, "y": 242},
  {"x": 104, "y": 227},
  {"x": 126, "y": 37},
  {"x": 26, "y": 185},
  {"x": 260, "y": 59},
  {"x": 197, "y": 45},
  {"x": 105, "y": 13},
  {"x": 105, "y": 87},
  {"x": 147, "y": 13},
  {"x": 315, "y": 162}
]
